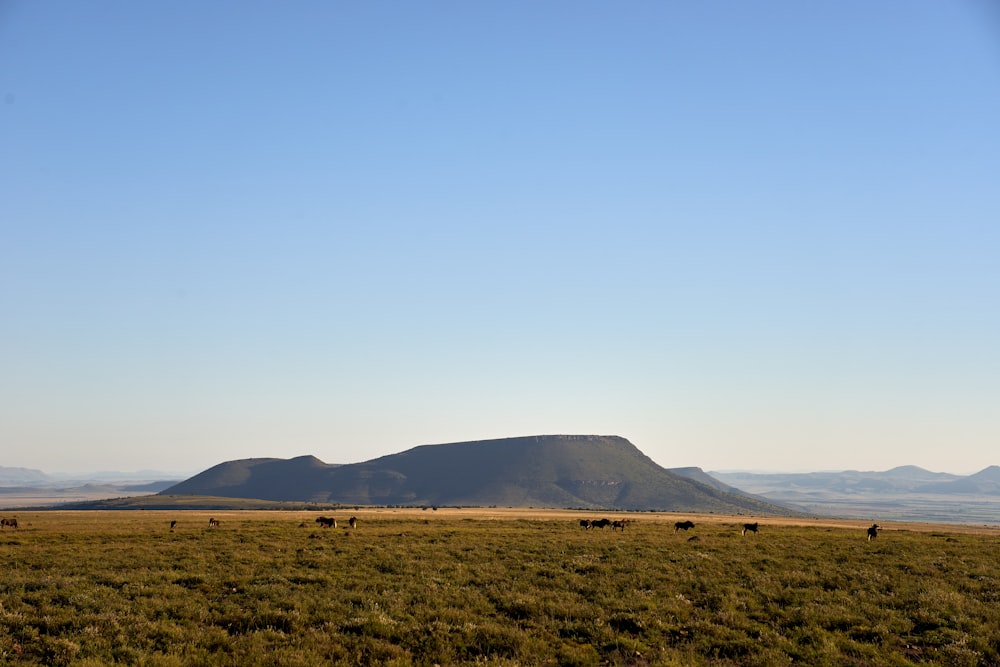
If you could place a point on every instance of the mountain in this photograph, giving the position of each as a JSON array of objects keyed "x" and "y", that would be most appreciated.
[{"x": 565, "y": 471}]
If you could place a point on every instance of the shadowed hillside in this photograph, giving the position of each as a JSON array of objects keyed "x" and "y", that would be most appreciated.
[{"x": 538, "y": 471}]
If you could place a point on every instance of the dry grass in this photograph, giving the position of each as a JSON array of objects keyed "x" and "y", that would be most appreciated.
[{"x": 491, "y": 586}]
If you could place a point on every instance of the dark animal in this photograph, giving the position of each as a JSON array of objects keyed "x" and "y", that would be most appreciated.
[
  {"x": 326, "y": 521},
  {"x": 172, "y": 524},
  {"x": 585, "y": 524},
  {"x": 873, "y": 531},
  {"x": 8, "y": 522},
  {"x": 750, "y": 527},
  {"x": 620, "y": 524},
  {"x": 353, "y": 521},
  {"x": 213, "y": 523},
  {"x": 601, "y": 523},
  {"x": 683, "y": 525}
]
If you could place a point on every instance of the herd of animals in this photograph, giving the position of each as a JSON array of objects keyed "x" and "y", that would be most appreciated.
[
  {"x": 585, "y": 524},
  {"x": 588, "y": 524}
]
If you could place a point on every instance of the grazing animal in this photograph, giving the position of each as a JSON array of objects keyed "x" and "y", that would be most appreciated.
[
  {"x": 601, "y": 523},
  {"x": 326, "y": 521},
  {"x": 213, "y": 523},
  {"x": 172, "y": 524},
  {"x": 873, "y": 531},
  {"x": 683, "y": 525},
  {"x": 353, "y": 521},
  {"x": 750, "y": 527},
  {"x": 620, "y": 524},
  {"x": 8, "y": 522},
  {"x": 585, "y": 524}
]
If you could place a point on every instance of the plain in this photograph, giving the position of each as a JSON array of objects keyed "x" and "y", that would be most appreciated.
[{"x": 491, "y": 586}]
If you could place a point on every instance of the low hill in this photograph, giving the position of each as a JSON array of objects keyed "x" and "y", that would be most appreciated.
[{"x": 561, "y": 471}]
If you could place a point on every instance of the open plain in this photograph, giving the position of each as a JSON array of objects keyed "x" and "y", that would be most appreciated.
[{"x": 491, "y": 586}]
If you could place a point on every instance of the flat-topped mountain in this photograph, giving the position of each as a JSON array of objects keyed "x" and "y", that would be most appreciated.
[{"x": 564, "y": 471}]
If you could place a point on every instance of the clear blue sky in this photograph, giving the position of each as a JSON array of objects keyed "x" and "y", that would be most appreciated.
[{"x": 743, "y": 235}]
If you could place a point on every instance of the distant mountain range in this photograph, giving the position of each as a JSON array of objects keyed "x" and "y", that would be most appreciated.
[
  {"x": 904, "y": 479},
  {"x": 26, "y": 487},
  {"x": 29, "y": 477},
  {"x": 906, "y": 492},
  {"x": 563, "y": 471}
]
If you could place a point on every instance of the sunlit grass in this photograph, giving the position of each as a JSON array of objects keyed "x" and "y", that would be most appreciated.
[{"x": 276, "y": 589}]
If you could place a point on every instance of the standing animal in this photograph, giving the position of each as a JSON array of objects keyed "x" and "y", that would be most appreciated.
[
  {"x": 750, "y": 527},
  {"x": 683, "y": 525},
  {"x": 620, "y": 524},
  {"x": 8, "y": 522},
  {"x": 213, "y": 523},
  {"x": 353, "y": 521},
  {"x": 326, "y": 521},
  {"x": 586, "y": 524},
  {"x": 601, "y": 523},
  {"x": 873, "y": 531},
  {"x": 172, "y": 524}
]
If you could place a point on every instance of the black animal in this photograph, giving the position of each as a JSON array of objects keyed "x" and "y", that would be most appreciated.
[
  {"x": 213, "y": 523},
  {"x": 586, "y": 524},
  {"x": 172, "y": 524},
  {"x": 8, "y": 522},
  {"x": 601, "y": 523},
  {"x": 750, "y": 527},
  {"x": 353, "y": 521},
  {"x": 873, "y": 531},
  {"x": 683, "y": 525},
  {"x": 326, "y": 521}
]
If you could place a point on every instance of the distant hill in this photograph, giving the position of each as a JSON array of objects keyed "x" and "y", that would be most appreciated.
[
  {"x": 562, "y": 471},
  {"x": 21, "y": 476},
  {"x": 902, "y": 493},
  {"x": 903, "y": 479},
  {"x": 984, "y": 482},
  {"x": 699, "y": 475}
]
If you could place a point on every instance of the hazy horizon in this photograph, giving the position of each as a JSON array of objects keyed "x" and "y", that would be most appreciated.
[{"x": 741, "y": 236}]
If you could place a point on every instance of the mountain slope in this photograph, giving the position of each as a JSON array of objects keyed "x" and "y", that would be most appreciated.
[{"x": 540, "y": 471}]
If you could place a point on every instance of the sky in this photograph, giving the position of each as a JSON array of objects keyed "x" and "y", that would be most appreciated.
[{"x": 757, "y": 236}]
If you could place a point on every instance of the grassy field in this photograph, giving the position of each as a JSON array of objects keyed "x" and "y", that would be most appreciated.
[{"x": 491, "y": 587}]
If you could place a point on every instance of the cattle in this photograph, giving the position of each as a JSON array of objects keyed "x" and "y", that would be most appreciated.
[
  {"x": 353, "y": 521},
  {"x": 213, "y": 523},
  {"x": 8, "y": 522},
  {"x": 620, "y": 524},
  {"x": 873, "y": 531},
  {"x": 750, "y": 527},
  {"x": 586, "y": 524},
  {"x": 601, "y": 523},
  {"x": 683, "y": 525},
  {"x": 326, "y": 521}
]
